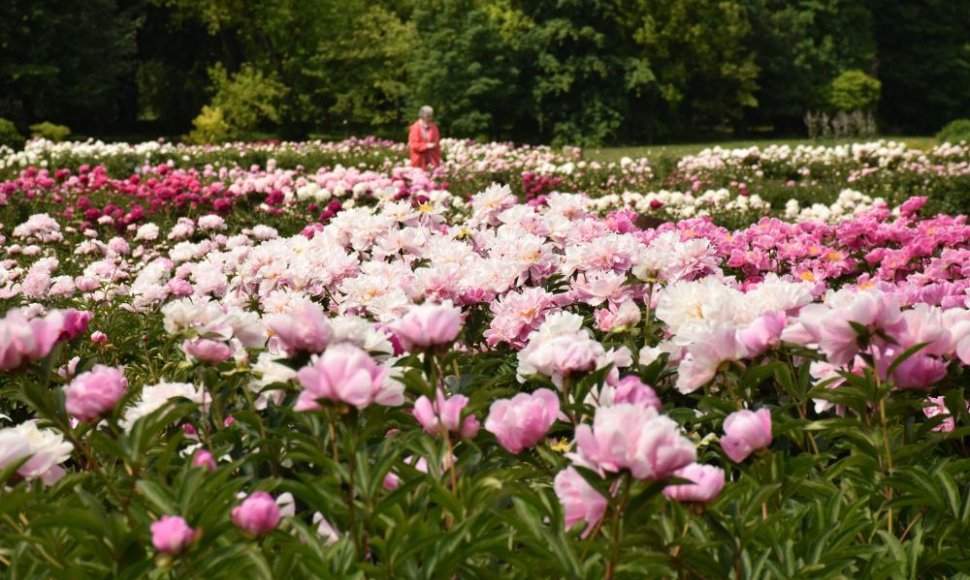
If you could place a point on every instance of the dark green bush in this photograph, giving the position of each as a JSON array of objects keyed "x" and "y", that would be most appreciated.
[
  {"x": 51, "y": 131},
  {"x": 955, "y": 132},
  {"x": 9, "y": 135}
]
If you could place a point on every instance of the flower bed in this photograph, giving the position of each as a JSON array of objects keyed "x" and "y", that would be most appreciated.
[{"x": 359, "y": 371}]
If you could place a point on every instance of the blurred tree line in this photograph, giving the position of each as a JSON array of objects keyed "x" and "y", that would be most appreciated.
[{"x": 565, "y": 71}]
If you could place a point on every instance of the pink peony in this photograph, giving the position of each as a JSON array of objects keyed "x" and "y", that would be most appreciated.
[
  {"x": 428, "y": 325},
  {"x": 75, "y": 323},
  {"x": 391, "y": 481},
  {"x": 926, "y": 324},
  {"x": 171, "y": 534},
  {"x": 522, "y": 421},
  {"x": 918, "y": 371},
  {"x": 762, "y": 334},
  {"x": 178, "y": 287},
  {"x": 745, "y": 432},
  {"x": 561, "y": 356},
  {"x": 637, "y": 438},
  {"x": 204, "y": 459},
  {"x": 45, "y": 448},
  {"x": 346, "y": 374},
  {"x": 95, "y": 393},
  {"x": 257, "y": 515},
  {"x": 444, "y": 415},
  {"x": 912, "y": 205},
  {"x": 707, "y": 484},
  {"x": 705, "y": 356},
  {"x": 23, "y": 340},
  {"x": 962, "y": 350},
  {"x": 14, "y": 446},
  {"x": 205, "y": 350},
  {"x": 873, "y": 310},
  {"x": 627, "y": 315},
  {"x": 632, "y": 390},
  {"x": 304, "y": 329},
  {"x": 580, "y": 500},
  {"x": 87, "y": 283},
  {"x": 577, "y": 356}
]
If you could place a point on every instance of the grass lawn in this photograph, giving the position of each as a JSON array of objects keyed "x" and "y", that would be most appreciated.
[{"x": 680, "y": 150}]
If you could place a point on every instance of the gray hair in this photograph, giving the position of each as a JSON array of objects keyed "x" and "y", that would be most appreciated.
[{"x": 425, "y": 111}]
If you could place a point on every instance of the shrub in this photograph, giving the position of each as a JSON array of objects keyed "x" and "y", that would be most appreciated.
[
  {"x": 248, "y": 99},
  {"x": 955, "y": 132},
  {"x": 210, "y": 127},
  {"x": 9, "y": 135},
  {"x": 240, "y": 105},
  {"x": 854, "y": 90},
  {"x": 50, "y": 131}
]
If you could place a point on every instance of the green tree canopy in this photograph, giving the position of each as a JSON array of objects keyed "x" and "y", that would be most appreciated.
[{"x": 565, "y": 71}]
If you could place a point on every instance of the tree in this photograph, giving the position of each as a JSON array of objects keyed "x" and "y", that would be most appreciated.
[
  {"x": 279, "y": 38},
  {"x": 584, "y": 69},
  {"x": 923, "y": 62},
  {"x": 706, "y": 73},
  {"x": 66, "y": 61},
  {"x": 800, "y": 48},
  {"x": 359, "y": 75},
  {"x": 466, "y": 63}
]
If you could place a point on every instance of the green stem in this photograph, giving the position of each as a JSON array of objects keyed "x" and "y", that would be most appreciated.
[
  {"x": 351, "y": 453},
  {"x": 811, "y": 438},
  {"x": 93, "y": 465},
  {"x": 263, "y": 439},
  {"x": 888, "y": 465},
  {"x": 616, "y": 530},
  {"x": 566, "y": 387},
  {"x": 683, "y": 534},
  {"x": 451, "y": 468},
  {"x": 351, "y": 510},
  {"x": 332, "y": 434},
  {"x": 431, "y": 370},
  {"x": 647, "y": 304}
]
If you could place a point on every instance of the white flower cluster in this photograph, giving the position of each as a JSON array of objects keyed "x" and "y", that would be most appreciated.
[
  {"x": 682, "y": 205},
  {"x": 849, "y": 204},
  {"x": 802, "y": 159}
]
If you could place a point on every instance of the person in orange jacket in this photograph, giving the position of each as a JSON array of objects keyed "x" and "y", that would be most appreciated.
[{"x": 424, "y": 141}]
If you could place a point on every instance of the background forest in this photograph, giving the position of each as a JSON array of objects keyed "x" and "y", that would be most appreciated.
[{"x": 581, "y": 72}]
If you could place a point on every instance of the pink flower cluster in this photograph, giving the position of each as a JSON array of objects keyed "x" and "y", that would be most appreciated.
[
  {"x": 872, "y": 323},
  {"x": 444, "y": 415},
  {"x": 25, "y": 339},
  {"x": 634, "y": 438}
]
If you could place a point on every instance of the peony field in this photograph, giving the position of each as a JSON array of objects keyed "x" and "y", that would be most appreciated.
[{"x": 312, "y": 360}]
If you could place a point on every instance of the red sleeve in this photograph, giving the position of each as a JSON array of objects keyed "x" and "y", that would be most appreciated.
[{"x": 414, "y": 139}]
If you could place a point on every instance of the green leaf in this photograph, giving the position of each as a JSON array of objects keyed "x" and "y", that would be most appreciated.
[
  {"x": 156, "y": 496},
  {"x": 10, "y": 470}
]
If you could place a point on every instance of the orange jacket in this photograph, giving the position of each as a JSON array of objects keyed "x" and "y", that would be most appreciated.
[{"x": 424, "y": 153}]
